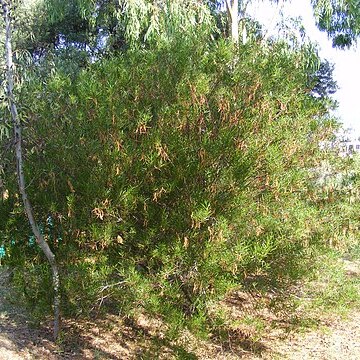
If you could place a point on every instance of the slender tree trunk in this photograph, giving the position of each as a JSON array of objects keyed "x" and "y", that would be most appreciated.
[
  {"x": 232, "y": 7},
  {"x": 20, "y": 167}
]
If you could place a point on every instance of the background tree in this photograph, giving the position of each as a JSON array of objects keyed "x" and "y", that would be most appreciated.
[
  {"x": 86, "y": 30},
  {"x": 324, "y": 84},
  {"x": 340, "y": 19}
]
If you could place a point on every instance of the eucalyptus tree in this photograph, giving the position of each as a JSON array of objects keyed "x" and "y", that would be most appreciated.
[
  {"x": 340, "y": 19},
  {"x": 85, "y": 30},
  {"x": 88, "y": 30},
  {"x": 232, "y": 7},
  {"x": 7, "y": 6}
]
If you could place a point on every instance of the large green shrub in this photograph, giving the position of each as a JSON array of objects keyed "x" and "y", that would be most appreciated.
[{"x": 176, "y": 173}]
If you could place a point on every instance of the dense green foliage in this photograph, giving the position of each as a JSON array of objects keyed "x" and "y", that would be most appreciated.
[
  {"x": 170, "y": 173},
  {"x": 174, "y": 177}
]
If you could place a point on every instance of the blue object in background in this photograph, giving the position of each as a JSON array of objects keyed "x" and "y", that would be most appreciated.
[
  {"x": 31, "y": 240},
  {"x": 2, "y": 251},
  {"x": 50, "y": 221}
]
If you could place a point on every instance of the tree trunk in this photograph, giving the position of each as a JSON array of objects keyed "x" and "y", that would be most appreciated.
[
  {"x": 20, "y": 167},
  {"x": 232, "y": 7}
]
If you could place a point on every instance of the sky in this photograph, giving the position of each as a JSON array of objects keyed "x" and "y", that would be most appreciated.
[{"x": 347, "y": 62}]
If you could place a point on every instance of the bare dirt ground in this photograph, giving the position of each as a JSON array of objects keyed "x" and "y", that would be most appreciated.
[
  {"x": 17, "y": 339},
  {"x": 114, "y": 338},
  {"x": 339, "y": 340}
]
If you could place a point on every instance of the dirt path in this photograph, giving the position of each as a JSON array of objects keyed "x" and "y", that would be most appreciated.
[{"x": 336, "y": 339}]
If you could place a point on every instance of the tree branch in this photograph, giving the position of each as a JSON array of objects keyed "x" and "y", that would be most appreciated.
[{"x": 20, "y": 165}]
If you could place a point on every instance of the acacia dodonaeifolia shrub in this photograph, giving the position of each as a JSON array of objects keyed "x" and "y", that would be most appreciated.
[{"x": 176, "y": 172}]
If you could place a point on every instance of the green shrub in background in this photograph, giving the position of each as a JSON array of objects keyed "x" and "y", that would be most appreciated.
[
  {"x": 336, "y": 193},
  {"x": 175, "y": 174}
]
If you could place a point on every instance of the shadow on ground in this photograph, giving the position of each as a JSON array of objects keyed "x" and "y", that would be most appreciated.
[{"x": 114, "y": 337}]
